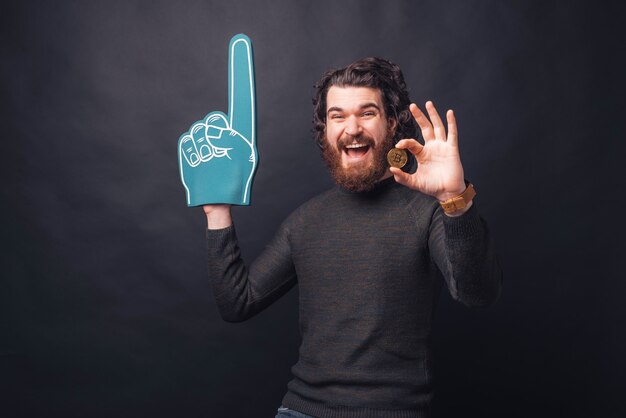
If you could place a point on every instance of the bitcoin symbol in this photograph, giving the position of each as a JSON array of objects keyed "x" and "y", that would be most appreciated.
[{"x": 397, "y": 157}]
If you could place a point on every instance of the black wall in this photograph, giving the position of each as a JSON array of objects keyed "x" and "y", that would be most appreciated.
[{"x": 104, "y": 301}]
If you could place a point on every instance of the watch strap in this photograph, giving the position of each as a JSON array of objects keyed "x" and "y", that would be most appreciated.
[{"x": 461, "y": 201}]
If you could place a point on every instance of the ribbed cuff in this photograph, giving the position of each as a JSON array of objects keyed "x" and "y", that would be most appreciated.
[
  {"x": 463, "y": 226},
  {"x": 218, "y": 236},
  {"x": 295, "y": 402}
]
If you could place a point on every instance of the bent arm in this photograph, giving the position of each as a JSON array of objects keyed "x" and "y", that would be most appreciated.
[
  {"x": 462, "y": 248},
  {"x": 241, "y": 292}
]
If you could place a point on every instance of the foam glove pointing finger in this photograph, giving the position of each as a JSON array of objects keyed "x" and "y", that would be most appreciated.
[{"x": 217, "y": 156}]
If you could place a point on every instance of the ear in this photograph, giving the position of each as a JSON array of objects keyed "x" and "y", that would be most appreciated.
[{"x": 393, "y": 124}]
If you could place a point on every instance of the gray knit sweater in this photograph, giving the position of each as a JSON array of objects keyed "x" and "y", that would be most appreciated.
[{"x": 369, "y": 267}]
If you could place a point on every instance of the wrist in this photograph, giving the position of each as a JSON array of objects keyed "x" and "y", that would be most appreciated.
[
  {"x": 450, "y": 194},
  {"x": 459, "y": 212},
  {"x": 217, "y": 216},
  {"x": 460, "y": 203}
]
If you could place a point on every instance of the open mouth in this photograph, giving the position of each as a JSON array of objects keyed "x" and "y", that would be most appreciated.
[{"x": 356, "y": 151}]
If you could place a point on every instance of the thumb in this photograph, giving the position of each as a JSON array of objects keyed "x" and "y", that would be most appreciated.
[{"x": 400, "y": 176}]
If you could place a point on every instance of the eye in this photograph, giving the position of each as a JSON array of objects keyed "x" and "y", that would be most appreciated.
[
  {"x": 369, "y": 113},
  {"x": 336, "y": 116}
]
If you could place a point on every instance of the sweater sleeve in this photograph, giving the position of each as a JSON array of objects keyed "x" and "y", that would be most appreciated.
[
  {"x": 463, "y": 250},
  {"x": 241, "y": 292}
]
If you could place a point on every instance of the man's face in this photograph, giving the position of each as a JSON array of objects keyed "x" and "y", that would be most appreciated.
[{"x": 358, "y": 136}]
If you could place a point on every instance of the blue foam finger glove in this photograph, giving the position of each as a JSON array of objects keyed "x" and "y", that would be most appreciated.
[{"x": 217, "y": 157}]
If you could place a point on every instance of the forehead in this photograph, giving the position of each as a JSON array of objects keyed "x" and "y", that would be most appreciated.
[{"x": 351, "y": 97}]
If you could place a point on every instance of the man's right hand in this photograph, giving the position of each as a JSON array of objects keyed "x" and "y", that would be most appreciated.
[{"x": 218, "y": 216}]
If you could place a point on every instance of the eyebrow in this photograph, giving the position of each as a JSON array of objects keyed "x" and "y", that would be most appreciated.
[{"x": 363, "y": 106}]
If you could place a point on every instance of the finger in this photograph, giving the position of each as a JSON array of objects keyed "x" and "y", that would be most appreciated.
[
  {"x": 425, "y": 126},
  {"x": 453, "y": 135},
  {"x": 215, "y": 123},
  {"x": 187, "y": 150},
  {"x": 400, "y": 176},
  {"x": 197, "y": 133},
  {"x": 440, "y": 130},
  {"x": 412, "y": 145},
  {"x": 241, "y": 90}
]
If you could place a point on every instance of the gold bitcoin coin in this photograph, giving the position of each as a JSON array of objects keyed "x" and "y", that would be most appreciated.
[{"x": 397, "y": 157}]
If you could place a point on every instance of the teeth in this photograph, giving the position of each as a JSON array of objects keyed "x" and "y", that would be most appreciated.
[{"x": 356, "y": 146}]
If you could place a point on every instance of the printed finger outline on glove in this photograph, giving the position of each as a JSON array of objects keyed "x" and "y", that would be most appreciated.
[
  {"x": 205, "y": 130},
  {"x": 199, "y": 144}
]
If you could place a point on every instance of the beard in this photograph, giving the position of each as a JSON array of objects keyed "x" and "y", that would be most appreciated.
[{"x": 360, "y": 176}]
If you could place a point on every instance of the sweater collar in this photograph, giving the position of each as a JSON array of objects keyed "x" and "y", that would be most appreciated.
[{"x": 378, "y": 188}]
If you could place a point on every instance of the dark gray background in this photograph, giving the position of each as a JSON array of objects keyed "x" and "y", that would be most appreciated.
[{"x": 104, "y": 301}]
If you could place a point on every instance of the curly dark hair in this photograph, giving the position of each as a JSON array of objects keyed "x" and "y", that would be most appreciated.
[{"x": 371, "y": 72}]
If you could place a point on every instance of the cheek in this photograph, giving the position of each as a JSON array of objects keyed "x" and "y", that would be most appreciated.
[
  {"x": 332, "y": 135},
  {"x": 380, "y": 132}
]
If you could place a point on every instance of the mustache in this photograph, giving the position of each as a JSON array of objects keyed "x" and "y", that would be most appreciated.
[{"x": 361, "y": 139}]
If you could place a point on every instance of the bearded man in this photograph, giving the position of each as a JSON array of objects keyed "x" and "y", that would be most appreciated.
[{"x": 370, "y": 256}]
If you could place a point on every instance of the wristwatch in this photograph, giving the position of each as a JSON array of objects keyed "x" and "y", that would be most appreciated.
[{"x": 460, "y": 201}]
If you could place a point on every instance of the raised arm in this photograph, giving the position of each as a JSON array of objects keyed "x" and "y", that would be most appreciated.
[
  {"x": 241, "y": 292},
  {"x": 462, "y": 248},
  {"x": 459, "y": 242}
]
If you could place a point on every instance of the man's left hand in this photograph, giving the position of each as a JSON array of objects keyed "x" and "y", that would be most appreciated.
[{"x": 439, "y": 171}]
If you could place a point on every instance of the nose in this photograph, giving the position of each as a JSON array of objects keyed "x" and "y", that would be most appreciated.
[{"x": 352, "y": 127}]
